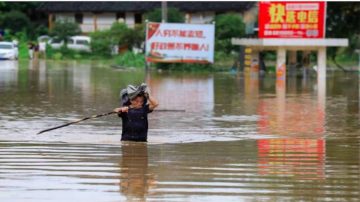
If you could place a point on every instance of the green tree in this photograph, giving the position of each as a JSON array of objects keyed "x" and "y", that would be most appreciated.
[
  {"x": 101, "y": 43},
  {"x": 118, "y": 31},
  {"x": 18, "y": 6},
  {"x": 15, "y": 21},
  {"x": 342, "y": 22},
  {"x": 228, "y": 26},
  {"x": 174, "y": 15},
  {"x": 65, "y": 29},
  {"x": 139, "y": 35},
  {"x": 123, "y": 36}
]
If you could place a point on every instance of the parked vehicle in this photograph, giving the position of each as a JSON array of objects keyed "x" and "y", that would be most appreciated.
[
  {"x": 55, "y": 43},
  {"x": 42, "y": 38},
  {"x": 8, "y": 51},
  {"x": 80, "y": 43}
]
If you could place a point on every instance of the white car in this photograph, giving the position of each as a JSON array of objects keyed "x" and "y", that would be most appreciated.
[
  {"x": 8, "y": 51},
  {"x": 80, "y": 43},
  {"x": 55, "y": 43}
]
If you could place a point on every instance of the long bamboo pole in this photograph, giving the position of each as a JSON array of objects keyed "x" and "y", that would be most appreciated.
[
  {"x": 100, "y": 115},
  {"x": 77, "y": 121}
]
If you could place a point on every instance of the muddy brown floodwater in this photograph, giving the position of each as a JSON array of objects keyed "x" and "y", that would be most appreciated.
[{"x": 240, "y": 138}]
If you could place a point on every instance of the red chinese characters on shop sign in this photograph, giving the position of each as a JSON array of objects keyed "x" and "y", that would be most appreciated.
[{"x": 292, "y": 19}]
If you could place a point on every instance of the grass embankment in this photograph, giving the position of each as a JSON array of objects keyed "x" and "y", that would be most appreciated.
[{"x": 348, "y": 62}]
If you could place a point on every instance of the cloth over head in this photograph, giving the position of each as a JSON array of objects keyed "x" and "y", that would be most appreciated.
[
  {"x": 134, "y": 91},
  {"x": 130, "y": 92}
]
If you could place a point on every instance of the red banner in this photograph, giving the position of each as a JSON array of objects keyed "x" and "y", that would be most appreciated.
[{"x": 292, "y": 19}]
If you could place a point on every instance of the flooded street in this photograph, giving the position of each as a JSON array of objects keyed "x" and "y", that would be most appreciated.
[{"x": 234, "y": 138}]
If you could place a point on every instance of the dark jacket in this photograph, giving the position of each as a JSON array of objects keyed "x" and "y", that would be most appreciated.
[{"x": 135, "y": 124}]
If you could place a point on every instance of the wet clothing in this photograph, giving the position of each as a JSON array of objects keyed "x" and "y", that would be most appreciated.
[{"x": 135, "y": 124}]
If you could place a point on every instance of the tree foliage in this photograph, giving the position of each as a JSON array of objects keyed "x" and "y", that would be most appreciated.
[
  {"x": 15, "y": 21},
  {"x": 24, "y": 7},
  {"x": 101, "y": 42},
  {"x": 122, "y": 35},
  {"x": 118, "y": 35},
  {"x": 138, "y": 36},
  {"x": 343, "y": 22},
  {"x": 228, "y": 26},
  {"x": 65, "y": 29}
]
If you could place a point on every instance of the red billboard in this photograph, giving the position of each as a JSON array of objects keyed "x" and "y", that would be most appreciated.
[{"x": 292, "y": 19}]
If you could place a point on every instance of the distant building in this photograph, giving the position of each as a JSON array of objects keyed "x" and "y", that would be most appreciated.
[{"x": 93, "y": 16}]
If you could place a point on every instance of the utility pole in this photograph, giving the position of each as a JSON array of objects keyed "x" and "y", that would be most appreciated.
[
  {"x": 163, "y": 11},
  {"x": 358, "y": 52},
  {"x": 146, "y": 37}
]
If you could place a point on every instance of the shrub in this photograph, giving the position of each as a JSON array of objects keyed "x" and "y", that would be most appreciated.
[
  {"x": 130, "y": 59},
  {"x": 101, "y": 43},
  {"x": 37, "y": 30},
  {"x": 138, "y": 36},
  {"x": 121, "y": 35},
  {"x": 7, "y": 35},
  {"x": 65, "y": 29},
  {"x": 23, "y": 50},
  {"x": 133, "y": 37},
  {"x": 57, "y": 56},
  {"x": 117, "y": 33}
]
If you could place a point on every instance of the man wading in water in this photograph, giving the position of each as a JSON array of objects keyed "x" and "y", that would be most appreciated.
[{"x": 136, "y": 103}]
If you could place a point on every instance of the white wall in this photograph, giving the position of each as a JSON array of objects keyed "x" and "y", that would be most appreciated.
[
  {"x": 130, "y": 19},
  {"x": 200, "y": 17},
  {"x": 105, "y": 20},
  {"x": 88, "y": 23},
  {"x": 65, "y": 16}
]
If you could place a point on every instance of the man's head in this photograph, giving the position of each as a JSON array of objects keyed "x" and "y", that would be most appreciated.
[{"x": 137, "y": 101}]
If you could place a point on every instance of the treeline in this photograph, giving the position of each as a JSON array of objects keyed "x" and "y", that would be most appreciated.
[
  {"x": 21, "y": 20},
  {"x": 342, "y": 21}
]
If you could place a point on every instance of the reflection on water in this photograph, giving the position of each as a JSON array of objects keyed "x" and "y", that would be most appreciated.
[
  {"x": 192, "y": 93},
  {"x": 241, "y": 137},
  {"x": 8, "y": 73},
  {"x": 299, "y": 158},
  {"x": 135, "y": 176}
]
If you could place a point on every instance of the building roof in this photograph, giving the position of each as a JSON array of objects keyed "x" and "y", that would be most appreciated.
[{"x": 142, "y": 6}]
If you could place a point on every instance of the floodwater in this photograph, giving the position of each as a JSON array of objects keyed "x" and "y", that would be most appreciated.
[{"x": 240, "y": 138}]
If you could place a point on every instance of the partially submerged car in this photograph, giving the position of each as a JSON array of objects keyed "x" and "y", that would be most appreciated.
[
  {"x": 43, "y": 38},
  {"x": 80, "y": 43},
  {"x": 8, "y": 51}
]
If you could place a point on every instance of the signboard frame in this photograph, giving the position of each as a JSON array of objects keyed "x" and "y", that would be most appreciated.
[
  {"x": 179, "y": 43},
  {"x": 292, "y": 19}
]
